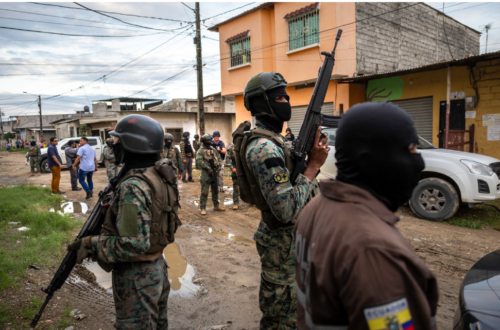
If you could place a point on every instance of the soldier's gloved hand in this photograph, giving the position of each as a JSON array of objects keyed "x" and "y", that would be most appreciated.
[{"x": 83, "y": 247}]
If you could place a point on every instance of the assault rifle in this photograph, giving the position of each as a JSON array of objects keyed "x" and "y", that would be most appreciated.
[
  {"x": 313, "y": 118},
  {"x": 91, "y": 227},
  {"x": 212, "y": 180}
]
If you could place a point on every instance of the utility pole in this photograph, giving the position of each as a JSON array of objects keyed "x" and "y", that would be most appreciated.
[
  {"x": 40, "y": 107},
  {"x": 486, "y": 28},
  {"x": 201, "y": 106},
  {"x": 1, "y": 128}
]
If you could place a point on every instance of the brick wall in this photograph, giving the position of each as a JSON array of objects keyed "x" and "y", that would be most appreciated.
[{"x": 408, "y": 37}]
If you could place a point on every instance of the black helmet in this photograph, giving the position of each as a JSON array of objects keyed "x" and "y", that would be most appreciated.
[
  {"x": 196, "y": 136},
  {"x": 216, "y": 133},
  {"x": 185, "y": 134},
  {"x": 139, "y": 134}
]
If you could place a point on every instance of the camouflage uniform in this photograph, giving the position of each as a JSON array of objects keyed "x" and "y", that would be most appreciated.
[
  {"x": 109, "y": 160},
  {"x": 205, "y": 178},
  {"x": 140, "y": 289},
  {"x": 277, "y": 295},
  {"x": 174, "y": 155},
  {"x": 196, "y": 146},
  {"x": 34, "y": 160},
  {"x": 230, "y": 163}
]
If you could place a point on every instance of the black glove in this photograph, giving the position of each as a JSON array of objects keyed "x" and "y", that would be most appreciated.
[{"x": 83, "y": 247}]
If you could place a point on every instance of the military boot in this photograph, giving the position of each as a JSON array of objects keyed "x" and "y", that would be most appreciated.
[
  {"x": 235, "y": 207},
  {"x": 203, "y": 212},
  {"x": 219, "y": 208}
]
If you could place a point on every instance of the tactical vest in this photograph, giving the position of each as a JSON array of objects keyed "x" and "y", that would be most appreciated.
[
  {"x": 33, "y": 151},
  {"x": 162, "y": 180},
  {"x": 250, "y": 191},
  {"x": 170, "y": 154},
  {"x": 210, "y": 154},
  {"x": 112, "y": 160}
]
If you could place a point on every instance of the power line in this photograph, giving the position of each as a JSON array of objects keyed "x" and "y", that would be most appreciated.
[
  {"x": 110, "y": 12},
  {"x": 100, "y": 13},
  {"x": 248, "y": 4},
  {"x": 79, "y": 35},
  {"x": 161, "y": 82},
  {"x": 486, "y": 3},
  {"x": 62, "y": 73}
]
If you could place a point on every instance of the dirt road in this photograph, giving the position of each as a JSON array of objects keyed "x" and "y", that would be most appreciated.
[{"x": 226, "y": 271}]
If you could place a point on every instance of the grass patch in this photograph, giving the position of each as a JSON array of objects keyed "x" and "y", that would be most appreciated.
[
  {"x": 66, "y": 320},
  {"x": 42, "y": 244},
  {"x": 478, "y": 217},
  {"x": 23, "y": 151}
]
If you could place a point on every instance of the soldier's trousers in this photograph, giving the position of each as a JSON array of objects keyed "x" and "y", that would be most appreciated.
[
  {"x": 236, "y": 190},
  {"x": 111, "y": 170},
  {"x": 205, "y": 188},
  {"x": 140, "y": 292},
  {"x": 277, "y": 295},
  {"x": 34, "y": 164}
]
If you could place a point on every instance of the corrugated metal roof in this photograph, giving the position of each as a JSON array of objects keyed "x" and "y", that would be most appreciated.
[{"x": 427, "y": 67}]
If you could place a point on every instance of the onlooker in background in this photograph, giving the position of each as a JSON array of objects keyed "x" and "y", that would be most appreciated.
[
  {"x": 40, "y": 144},
  {"x": 187, "y": 157},
  {"x": 196, "y": 145},
  {"x": 8, "y": 146},
  {"x": 71, "y": 155},
  {"x": 109, "y": 160},
  {"x": 221, "y": 148},
  {"x": 34, "y": 153},
  {"x": 86, "y": 156},
  {"x": 55, "y": 165},
  {"x": 22, "y": 144},
  {"x": 17, "y": 144},
  {"x": 27, "y": 144},
  {"x": 289, "y": 136}
]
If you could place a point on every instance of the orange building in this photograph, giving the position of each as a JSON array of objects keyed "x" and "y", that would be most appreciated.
[{"x": 288, "y": 37}]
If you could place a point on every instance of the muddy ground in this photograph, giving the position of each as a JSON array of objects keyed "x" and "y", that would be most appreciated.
[{"x": 226, "y": 271}]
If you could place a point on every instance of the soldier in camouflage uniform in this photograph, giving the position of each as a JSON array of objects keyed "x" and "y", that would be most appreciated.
[
  {"x": 231, "y": 163},
  {"x": 172, "y": 153},
  {"x": 196, "y": 146},
  {"x": 139, "y": 277},
  {"x": 109, "y": 160},
  {"x": 34, "y": 153},
  {"x": 265, "y": 96},
  {"x": 209, "y": 176}
]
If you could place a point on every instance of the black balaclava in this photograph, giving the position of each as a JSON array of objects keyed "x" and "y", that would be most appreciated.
[
  {"x": 372, "y": 152},
  {"x": 281, "y": 110},
  {"x": 207, "y": 144},
  {"x": 168, "y": 144},
  {"x": 33, "y": 143}
]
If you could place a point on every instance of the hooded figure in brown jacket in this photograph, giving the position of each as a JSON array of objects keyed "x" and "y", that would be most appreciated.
[{"x": 354, "y": 270}]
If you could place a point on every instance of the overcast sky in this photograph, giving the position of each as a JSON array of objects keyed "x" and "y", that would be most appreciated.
[{"x": 49, "y": 65}]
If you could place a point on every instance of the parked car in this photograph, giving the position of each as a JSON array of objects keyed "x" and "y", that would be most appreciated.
[
  {"x": 451, "y": 178},
  {"x": 94, "y": 142},
  {"x": 479, "y": 298}
]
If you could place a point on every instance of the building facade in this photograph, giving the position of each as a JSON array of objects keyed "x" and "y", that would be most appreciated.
[{"x": 289, "y": 37}]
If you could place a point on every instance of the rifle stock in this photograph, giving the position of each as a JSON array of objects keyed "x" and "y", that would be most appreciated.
[
  {"x": 313, "y": 117},
  {"x": 91, "y": 227}
]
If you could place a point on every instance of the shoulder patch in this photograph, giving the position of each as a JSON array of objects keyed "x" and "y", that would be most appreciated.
[
  {"x": 392, "y": 315},
  {"x": 281, "y": 177},
  {"x": 274, "y": 162}
]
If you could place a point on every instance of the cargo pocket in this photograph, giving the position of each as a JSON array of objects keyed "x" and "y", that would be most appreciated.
[
  {"x": 134, "y": 323},
  {"x": 277, "y": 300}
]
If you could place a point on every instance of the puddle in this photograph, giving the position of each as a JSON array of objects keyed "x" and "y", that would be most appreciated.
[
  {"x": 229, "y": 236},
  {"x": 227, "y": 201},
  {"x": 180, "y": 274},
  {"x": 71, "y": 207}
]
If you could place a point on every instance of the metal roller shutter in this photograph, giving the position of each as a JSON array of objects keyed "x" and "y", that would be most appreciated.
[
  {"x": 298, "y": 114},
  {"x": 421, "y": 111}
]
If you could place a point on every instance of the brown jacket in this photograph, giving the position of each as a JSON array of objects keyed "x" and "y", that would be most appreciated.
[{"x": 354, "y": 270}]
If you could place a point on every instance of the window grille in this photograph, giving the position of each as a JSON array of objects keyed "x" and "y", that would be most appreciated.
[
  {"x": 303, "y": 30},
  {"x": 240, "y": 51}
]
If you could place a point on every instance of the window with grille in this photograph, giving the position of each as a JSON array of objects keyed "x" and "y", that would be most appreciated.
[
  {"x": 303, "y": 30},
  {"x": 240, "y": 51}
]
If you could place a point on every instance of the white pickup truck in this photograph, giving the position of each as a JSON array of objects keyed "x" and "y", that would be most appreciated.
[
  {"x": 94, "y": 142},
  {"x": 451, "y": 178}
]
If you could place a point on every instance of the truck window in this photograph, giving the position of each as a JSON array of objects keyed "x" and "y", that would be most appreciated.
[{"x": 93, "y": 142}]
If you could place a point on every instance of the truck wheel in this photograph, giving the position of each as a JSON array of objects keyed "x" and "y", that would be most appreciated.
[
  {"x": 44, "y": 166},
  {"x": 434, "y": 199}
]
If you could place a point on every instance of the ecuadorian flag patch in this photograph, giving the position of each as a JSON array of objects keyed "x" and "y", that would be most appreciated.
[{"x": 391, "y": 316}]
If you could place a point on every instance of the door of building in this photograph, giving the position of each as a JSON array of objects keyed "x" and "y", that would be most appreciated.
[
  {"x": 457, "y": 118},
  {"x": 299, "y": 112},
  {"x": 421, "y": 111}
]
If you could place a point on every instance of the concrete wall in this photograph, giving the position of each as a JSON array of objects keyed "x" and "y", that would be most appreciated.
[
  {"x": 433, "y": 83},
  {"x": 222, "y": 123},
  {"x": 408, "y": 38}
]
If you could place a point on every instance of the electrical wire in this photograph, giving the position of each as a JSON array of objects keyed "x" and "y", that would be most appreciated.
[
  {"x": 248, "y": 4},
  {"x": 161, "y": 82},
  {"x": 79, "y": 35}
]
